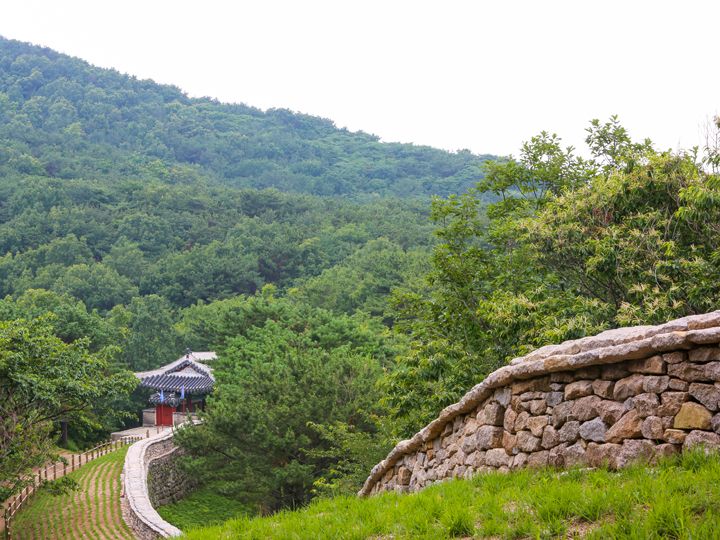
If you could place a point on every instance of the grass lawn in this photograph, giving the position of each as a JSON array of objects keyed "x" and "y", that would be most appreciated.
[
  {"x": 680, "y": 498},
  {"x": 202, "y": 507},
  {"x": 93, "y": 511}
]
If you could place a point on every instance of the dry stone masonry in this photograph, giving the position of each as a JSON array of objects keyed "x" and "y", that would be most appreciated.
[
  {"x": 137, "y": 508},
  {"x": 624, "y": 395}
]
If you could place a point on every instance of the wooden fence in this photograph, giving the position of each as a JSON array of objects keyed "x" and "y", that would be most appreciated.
[{"x": 57, "y": 470}]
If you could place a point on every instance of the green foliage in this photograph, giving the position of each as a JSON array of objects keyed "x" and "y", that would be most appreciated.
[
  {"x": 364, "y": 280},
  {"x": 572, "y": 247},
  {"x": 64, "y": 118},
  {"x": 283, "y": 365},
  {"x": 43, "y": 380},
  {"x": 150, "y": 337},
  {"x": 676, "y": 499}
]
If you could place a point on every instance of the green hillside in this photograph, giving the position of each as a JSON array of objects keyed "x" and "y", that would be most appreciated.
[{"x": 61, "y": 117}]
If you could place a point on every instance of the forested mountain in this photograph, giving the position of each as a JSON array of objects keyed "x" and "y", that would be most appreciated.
[
  {"x": 61, "y": 117},
  {"x": 136, "y": 222}
]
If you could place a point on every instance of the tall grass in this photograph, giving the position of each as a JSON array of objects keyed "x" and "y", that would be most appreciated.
[{"x": 679, "y": 498}]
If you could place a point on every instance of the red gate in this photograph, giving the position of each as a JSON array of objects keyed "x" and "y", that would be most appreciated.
[{"x": 164, "y": 415}]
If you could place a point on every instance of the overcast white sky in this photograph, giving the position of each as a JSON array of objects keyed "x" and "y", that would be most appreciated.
[{"x": 452, "y": 74}]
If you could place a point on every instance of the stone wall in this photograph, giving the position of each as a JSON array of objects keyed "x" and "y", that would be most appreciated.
[
  {"x": 167, "y": 482},
  {"x": 623, "y": 395},
  {"x": 137, "y": 509}
]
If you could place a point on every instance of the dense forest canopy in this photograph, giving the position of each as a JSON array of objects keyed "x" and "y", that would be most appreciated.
[
  {"x": 61, "y": 117},
  {"x": 136, "y": 221}
]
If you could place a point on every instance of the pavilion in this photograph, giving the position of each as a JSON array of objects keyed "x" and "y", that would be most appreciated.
[{"x": 180, "y": 388}]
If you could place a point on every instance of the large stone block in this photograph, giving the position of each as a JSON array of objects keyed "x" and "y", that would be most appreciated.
[
  {"x": 708, "y": 439},
  {"x": 656, "y": 383},
  {"x": 537, "y": 424},
  {"x": 521, "y": 421},
  {"x": 570, "y": 431},
  {"x": 538, "y": 384},
  {"x": 550, "y": 437},
  {"x": 655, "y": 365},
  {"x": 488, "y": 437},
  {"x": 573, "y": 455},
  {"x": 586, "y": 408},
  {"x": 563, "y": 412},
  {"x": 707, "y": 394},
  {"x": 671, "y": 403},
  {"x": 692, "y": 416},
  {"x": 678, "y": 385},
  {"x": 688, "y": 372},
  {"x": 665, "y": 450},
  {"x": 633, "y": 451},
  {"x": 509, "y": 420},
  {"x": 578, "y": 389},
  {"x": 712, "y": 371},
  {"x": 519, "y": 460},
  {"x": 604, "y": 389},
  {"x": 610, "y": 411},
  {"x": 674, "y": 436},
  {"x": 652, "y": 428},
  {"x": 613, "y": 372},
  {"x": 628, "y": 387},
  {"x": 675, "y": 357},
  {"x": 509, "y": 442},
  {"x": 593, "y": 430},
  {"x": 715, "y": 423},
  {"x": 646, "y": 405},
  {"x": 497, "y": 457},
  {"x": 538, "y": 459},
  {"x": 704, "y": 354},
  {"x": 527, "y": 442},
  {"x": 493, "y": 414},
  {"x": 403, "y": 476},
  {"x": 628, "y": 427},
  {"x": 599, "y": 455},
  {"x": 502, "y": 396},
  {"x": 537, "y": 406}
]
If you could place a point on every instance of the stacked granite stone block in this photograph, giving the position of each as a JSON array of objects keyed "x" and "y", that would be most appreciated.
[{"x": 611, "y": 411}]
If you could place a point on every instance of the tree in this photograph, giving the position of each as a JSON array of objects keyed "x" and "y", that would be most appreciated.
[
  {"x": 44, "y": 380},
  {"x": 150, "y": 337},
  {"x": 286, "y": 366},
  {"x": 571, "y": 247}
]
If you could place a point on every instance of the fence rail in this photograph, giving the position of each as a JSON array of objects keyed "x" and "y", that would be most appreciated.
[{"x": 58, "y": 470}]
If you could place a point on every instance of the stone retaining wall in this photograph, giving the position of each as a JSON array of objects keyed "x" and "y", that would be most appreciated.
[
  {"x": 623, "y": 395},
  {"x": 167, "y": 482},
  {"x": 138, "y": 511}
]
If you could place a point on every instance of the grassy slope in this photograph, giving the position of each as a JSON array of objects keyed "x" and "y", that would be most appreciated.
[
  {"x": 202, "y": 508},
  {"x": 678, "y": 499},
  {"x": 93, "y": 511}
]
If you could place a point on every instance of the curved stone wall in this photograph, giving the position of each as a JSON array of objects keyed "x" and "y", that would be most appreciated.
[
  {"x": 625, "y": 394},
  {"x": 138, "y": 510}
]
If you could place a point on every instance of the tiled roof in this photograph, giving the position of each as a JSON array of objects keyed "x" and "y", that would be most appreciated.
[
  {"x": 197, "y": 378},
  {"x": 174, "y": 383}
]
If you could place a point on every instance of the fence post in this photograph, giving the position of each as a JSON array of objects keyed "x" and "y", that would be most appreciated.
[
  {"x": 72, "y": 459},
  {"x": 7, "y": 523}
]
